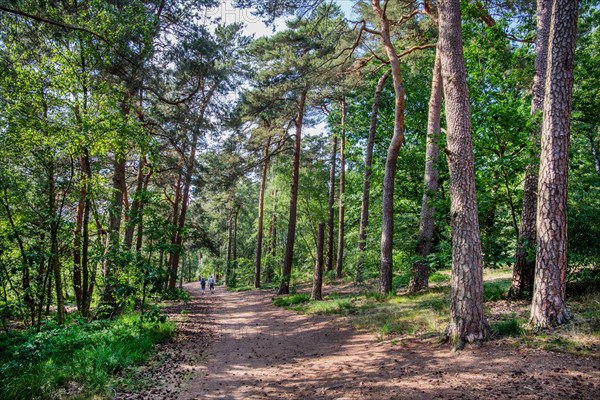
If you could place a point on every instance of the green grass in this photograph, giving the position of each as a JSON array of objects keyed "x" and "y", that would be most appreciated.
[
  {"x": 510, "y": 327},
  {"x": 82, "y": 359},
  {"x": 291, "y": 300}
]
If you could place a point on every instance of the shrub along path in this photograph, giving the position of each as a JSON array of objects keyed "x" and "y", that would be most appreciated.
[{"x": 258, "y": 351}]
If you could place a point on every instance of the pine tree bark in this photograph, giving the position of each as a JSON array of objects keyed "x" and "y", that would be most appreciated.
[
  {"x": 366, "y": 192},
  {"x": 341, "y": 209},
  {"x": 524, "y": 268},
  {"x": 467, "y": 322},
  {"x": 548, "y": 307},
  {"x": 330, "y": 203},
  {"x": 318, "y": 274},
  {"x": 387, "y": 231},
  {"x": 286, "y": 270},
  {"x": 261, "y": 203},
  {"x": 420, "y": 270}
]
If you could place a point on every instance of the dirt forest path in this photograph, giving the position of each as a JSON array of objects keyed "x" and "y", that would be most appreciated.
[{"x": 258, "y": 351}]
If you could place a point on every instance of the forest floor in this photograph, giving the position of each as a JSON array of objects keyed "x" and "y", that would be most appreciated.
[{"x": 239, "y": 346}]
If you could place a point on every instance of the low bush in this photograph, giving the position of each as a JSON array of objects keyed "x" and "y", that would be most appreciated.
[{"x": 176, "y": 294}]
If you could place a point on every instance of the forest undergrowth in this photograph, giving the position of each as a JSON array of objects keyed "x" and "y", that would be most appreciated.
[
  {"x": 79, "y": 360},
  {"x": 424, "y": 315}
]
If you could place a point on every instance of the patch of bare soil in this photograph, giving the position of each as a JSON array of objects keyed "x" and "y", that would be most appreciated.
[{"x": 258, "y": 351}]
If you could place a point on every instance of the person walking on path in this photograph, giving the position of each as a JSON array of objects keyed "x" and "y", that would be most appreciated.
[
  {"x": 211, "y": 284},
  {"x": 203, "y": 284}
]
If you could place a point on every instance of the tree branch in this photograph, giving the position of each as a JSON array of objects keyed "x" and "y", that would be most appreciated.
[{"x": 70, "y": 27}]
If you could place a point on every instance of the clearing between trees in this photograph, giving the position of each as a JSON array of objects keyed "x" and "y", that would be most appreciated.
[{"x": 239, "y": 346}]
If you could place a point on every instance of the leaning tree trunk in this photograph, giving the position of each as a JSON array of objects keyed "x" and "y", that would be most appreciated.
[
  {"x": 549, "y": 307},
  {"x": 364, "y": 210},
  {"x": 318, "y": 274},
  {"x": 286, "y": 270},
  {"x": 467, "y": 323},
  {"x": 340, "y": 249},
  {"x": 420, "y": 270},
  {"x": 523, "y": 271},
  {"x": 330, "y": 203},
  {"x": 387, "y": 229},
  {"x": 261, "y": 203}
]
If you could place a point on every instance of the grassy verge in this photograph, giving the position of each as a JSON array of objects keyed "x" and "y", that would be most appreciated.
[
  {"x": 426, "y": 314},
  {"x": 80, "y": 360}
]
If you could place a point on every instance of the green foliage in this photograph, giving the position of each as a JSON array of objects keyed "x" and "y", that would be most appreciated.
[
  {"x": 291, "y": 300},
  {"x": 493, "y": 291},
  {"x": 176, "y": 294},
  {"x": 510, "y": 327},
  {"x": 86, "y": 355}
]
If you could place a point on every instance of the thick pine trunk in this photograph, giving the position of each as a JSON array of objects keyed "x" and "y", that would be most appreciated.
[
  {"x": 341, "y": 209},
  {"x": 420, "y": 270},
  {"x": 318, "y": 273},
  {"x": 387, "y": 229},
  {"x": 330, "y": 203},
  {"x": 261, "y": 203},
  {"x": 467, "y": 323},
  {"x": 549, "y": 308},
  {"x": 364, "y": 210},
  {"x": 286, "y": 270},
  {"x": 523, "y": 271}
]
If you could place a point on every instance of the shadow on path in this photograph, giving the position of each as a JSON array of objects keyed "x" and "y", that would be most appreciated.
[{"x": 258, "y": 351}]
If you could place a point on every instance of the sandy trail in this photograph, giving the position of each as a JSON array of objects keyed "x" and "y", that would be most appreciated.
[{"x": 239, "y": 346}]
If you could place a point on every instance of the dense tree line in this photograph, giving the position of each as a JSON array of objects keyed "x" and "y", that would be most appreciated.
[{"x": 441, "y": 129}]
